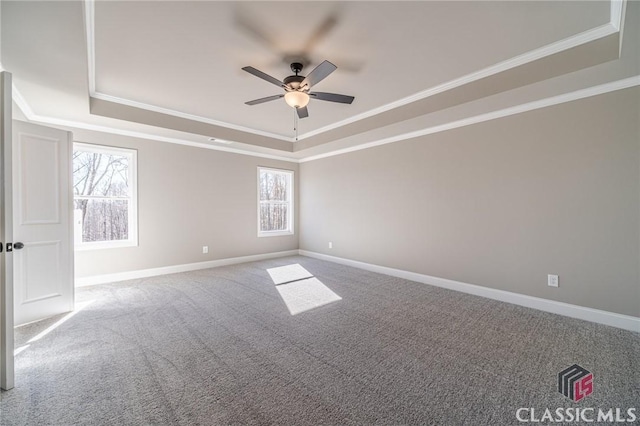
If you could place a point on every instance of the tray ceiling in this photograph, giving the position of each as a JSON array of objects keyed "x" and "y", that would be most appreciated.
[{"x": 174, "y": 68}]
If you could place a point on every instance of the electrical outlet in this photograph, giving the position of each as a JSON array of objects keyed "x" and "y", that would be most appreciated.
[
  {"x": 205, "y": 249},
  {"x": 330, "y": 245},
  {"x": 553, "y": 281}
]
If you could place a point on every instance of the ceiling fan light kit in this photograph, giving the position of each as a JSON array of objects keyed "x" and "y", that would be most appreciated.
[
  {"x": 298, "y": 88},
  {"x": 296, "y": 99}
]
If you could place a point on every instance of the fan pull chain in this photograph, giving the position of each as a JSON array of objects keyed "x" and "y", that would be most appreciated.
[{"x": 295, "y": 122}]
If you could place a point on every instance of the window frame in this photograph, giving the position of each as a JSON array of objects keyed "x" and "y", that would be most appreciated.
[
  {"x": 291, "y": 208},
  {"x": 132, "y": 154}
]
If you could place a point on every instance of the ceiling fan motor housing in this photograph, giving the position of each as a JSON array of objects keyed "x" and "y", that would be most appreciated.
[
  {"x": 296, "y": 67},
  {"x": 293, "y": 81}
]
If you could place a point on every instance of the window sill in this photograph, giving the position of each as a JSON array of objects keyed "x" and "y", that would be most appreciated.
[
  {"x": 104, "y": 245},
  {"x": 275, "y": 234}
]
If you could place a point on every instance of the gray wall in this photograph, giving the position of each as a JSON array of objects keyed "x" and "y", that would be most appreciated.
[
  {"x": 499, "y": 204},
  {"x": 187, "y": 197}
]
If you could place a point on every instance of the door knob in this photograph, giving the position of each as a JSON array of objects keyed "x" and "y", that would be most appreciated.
[{"x": 18, "y": 246}]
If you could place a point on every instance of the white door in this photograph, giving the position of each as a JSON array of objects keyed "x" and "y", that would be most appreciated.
[
  {"x": 6, "y": 234},
  {"x": 42, "y": 222}
]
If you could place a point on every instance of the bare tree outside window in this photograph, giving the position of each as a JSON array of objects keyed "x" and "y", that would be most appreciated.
[
  {"x": 102, "y": 193},
  {"x": 275, "y": 199}
]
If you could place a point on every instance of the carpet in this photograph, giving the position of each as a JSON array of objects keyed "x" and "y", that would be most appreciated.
[{"x": 221, "y": 347}]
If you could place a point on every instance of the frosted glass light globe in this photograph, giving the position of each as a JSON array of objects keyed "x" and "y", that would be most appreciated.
[{"x": 296, "y": 99}]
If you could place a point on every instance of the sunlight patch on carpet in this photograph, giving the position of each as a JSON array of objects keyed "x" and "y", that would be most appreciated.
[
  {"x": 78, "y": 308},
  {"x": 289, "y": 273},
  {"x": 304, "y": 295},
  {"x": 299, "y": 289},
  {"x": 20, "y": 349}
]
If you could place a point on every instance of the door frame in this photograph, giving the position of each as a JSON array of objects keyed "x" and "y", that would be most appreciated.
[{"x": 6, "y": 234}]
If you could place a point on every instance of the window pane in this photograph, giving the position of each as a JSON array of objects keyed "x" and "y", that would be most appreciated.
[
  {"x": 100, "y": 174},
  {"x": 274, "y": 217},
  {"x": 274, "y": 186},
  {"x": 103, "y": 220}
]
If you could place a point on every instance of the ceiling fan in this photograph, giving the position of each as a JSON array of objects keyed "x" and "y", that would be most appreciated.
[{"x": 297, "y": 88}]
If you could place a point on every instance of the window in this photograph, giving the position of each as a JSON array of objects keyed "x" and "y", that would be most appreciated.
[
  {"x": 104, "y": 197},
  {"x": 275, "y": 202}
]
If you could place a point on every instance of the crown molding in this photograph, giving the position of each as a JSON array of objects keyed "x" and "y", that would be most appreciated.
[
  {"x": 616, "y": 14},
  {"x": 517, "y": 109},
  {"x": 505, "y": 112},
  {"x": 90, "y": 37},
  {"x": 616, "y": 17},
  {"x": 161, "y": 110},
  {"x": 22, "y": 102},
  {"x": 89, "y": 24},
  {"x": 32, "y": 117},
  {"x": 525, "y": 58}
]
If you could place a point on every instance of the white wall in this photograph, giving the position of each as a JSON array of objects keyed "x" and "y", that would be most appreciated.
[
  {"x": 187, "y": 198},
  {"x": 499, "y": 204}
]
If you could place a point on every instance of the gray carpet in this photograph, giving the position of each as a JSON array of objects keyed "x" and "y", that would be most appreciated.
[{"x": 219, "y": 347}]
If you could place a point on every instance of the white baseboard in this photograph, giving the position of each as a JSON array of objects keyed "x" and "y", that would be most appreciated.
[
  {"x": 626, "y": 322},
  {"x": 144, "y": 273}
]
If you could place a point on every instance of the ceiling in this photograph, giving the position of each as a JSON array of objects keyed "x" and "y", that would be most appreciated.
[{"x": 173, "y": 69}]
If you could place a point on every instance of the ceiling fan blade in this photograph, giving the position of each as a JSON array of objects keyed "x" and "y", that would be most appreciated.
[
  {"x": 320, "y": 33},
  {"x": 302, "y": 112},
  {"x": 263, "y": 100},
  {"x": 318, "y": 74},
  {"x": 332, "y": 97},
  {"x": 250, "y": 25},
  {"x": 266, "y": 77}
]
